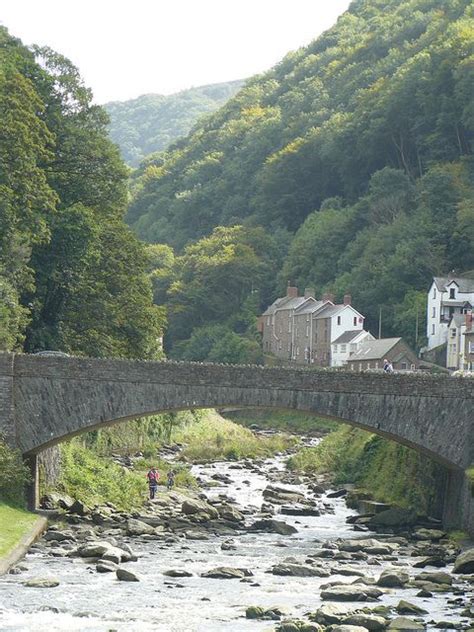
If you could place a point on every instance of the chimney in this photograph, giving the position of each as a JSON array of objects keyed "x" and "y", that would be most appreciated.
[
  {"x": 347, "y": 299},
  {"x": 309, "y": 292},
  {"x": 291, "y": 291},
  {"x": 327, "y": 296}
]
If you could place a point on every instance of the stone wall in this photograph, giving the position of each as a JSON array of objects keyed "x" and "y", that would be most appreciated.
[{"x": 45, "y": 400}]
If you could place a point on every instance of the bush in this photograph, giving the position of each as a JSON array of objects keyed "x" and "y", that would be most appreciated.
[{"x": 14, "y": 475}]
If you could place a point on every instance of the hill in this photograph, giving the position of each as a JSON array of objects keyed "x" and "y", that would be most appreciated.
[
  {"x": 151, "y": 122},
  {"x": 355, "y": 156}
]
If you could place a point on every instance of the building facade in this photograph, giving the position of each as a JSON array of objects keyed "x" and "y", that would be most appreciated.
[
  {"x": 372, "y": 353},
  {"x": 301, "y": 329},
  {"x": 447, "y": 297}
]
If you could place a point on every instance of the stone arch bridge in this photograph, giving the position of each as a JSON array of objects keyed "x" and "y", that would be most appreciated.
[{"x": 47, "y": 399}]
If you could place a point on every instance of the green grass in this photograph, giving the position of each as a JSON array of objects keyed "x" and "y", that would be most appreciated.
[
  {"x": 14, "y": 523},
  {"x": 95, "y": 479},
  {"x": 215, "y": 438},
  {"x": 389, "y": 471},
  {"x": 286, "y": 420}
]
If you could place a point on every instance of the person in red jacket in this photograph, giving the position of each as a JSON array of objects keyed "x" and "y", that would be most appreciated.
[{"x": 152, "y": 477}]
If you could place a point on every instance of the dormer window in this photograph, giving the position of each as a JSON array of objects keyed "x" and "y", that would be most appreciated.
[{"x": 452, "y": 292}]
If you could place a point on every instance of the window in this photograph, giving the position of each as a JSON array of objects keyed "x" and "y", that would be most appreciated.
[
  {"x": 376, "y": 365},
  {"x": 360, "y": 366},
  {"x": 434, "y": 292},
  {"x": 353, "y": 347},
  {"x": 451, "y": 311},
  {"x": 368, "y": 365},
  {"x": 433, "y": 330},
  {"x": 343, "y": 348},
  {"x": 338, "y": 320},
  {"x": 452, "y": 292},
  {"x": 355, "y": 321},
  {"x": 335, "y": 348},
  {"x": 404, "y": 366},
  {"x": 434, "y": 312},
  {"x": 471, "y": 346},
  {"x": 453, "y": 333}
]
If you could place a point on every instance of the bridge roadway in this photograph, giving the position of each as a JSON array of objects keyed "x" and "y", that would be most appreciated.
[{"x": 47, "y": 399}]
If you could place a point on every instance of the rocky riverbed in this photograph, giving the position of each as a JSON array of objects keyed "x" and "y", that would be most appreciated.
[{"x": 256, "y": 549}]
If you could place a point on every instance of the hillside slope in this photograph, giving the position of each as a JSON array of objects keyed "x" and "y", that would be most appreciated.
[
  {"x": 354, "y": 154},
  {"x": 151, "y": 122}
]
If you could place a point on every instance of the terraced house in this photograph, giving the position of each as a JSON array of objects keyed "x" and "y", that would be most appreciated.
[{"x": 303, "y": 329}]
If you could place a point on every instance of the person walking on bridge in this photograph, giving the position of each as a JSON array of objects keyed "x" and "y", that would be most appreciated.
[{"x": 152, "y": 477}]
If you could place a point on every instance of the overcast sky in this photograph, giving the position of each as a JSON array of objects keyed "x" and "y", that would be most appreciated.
[{"x": 127, "y": 48}]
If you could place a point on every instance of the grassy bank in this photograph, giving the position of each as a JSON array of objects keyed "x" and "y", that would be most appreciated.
[
  {"x": 215, "y": 438},
  {"x": 283, "y": 420},
  {"x": 96, "y": 479},
  {"x": 14, "y": 523},
  {"x": 390, "y": 472}
]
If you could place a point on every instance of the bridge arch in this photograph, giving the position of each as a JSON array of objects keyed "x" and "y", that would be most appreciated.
[
  {"x": 55, "y": 398},
  {"x": 46, "y": 400}
]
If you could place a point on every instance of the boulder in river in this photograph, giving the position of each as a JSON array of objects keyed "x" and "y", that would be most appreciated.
[
  {"x": 126, "y": 576},
  {"x": 300, "y": 510},
  {"x": 368, "y": 545},
  {"x": 371, "y": 622},
  {"x": 273, "y": 526},
  {"x": 348, "y": 628},
  {"x": 177, "y": 573},
  {"x": 394, "y": 517},
  {"x": 405, "y": 607},
  {"x": 79, "y": 508},
  {"x": 204, "y": 510},
  {"x": 392, "y": 578},
  {"x": 435, "y": 578},
  {"x": 55, "y": 500},
  {"x": 105, "y": 566},
  {"x": 298, "y": 570},
  {"x": 329, "y": 613},
  {"x": 354, "y": 592},
  {"x": 226, "y": 572},
  {"x": 464, "y": 563},
  {"x": 137, "y": 527},
  {"x": 42, "y": 582},
  {"x": 402, "y": 624}
]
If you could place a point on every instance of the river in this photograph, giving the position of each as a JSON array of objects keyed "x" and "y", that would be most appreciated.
[{"x": 87, "y": 600}]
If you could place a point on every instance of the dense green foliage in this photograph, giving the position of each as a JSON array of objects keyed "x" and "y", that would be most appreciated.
[
  {"x": 214, "y": 438},
  {"x": 151, "y": 122},
  {"x": 13, "y": 475},
  {"x": 353, "y": 154},
  {"x": 72, "y": 275},
  {"x": 389, "y": 471},
  {"x": 294, "y": 421}
]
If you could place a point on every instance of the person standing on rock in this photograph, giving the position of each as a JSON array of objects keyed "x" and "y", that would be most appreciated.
[
  {"x": 170, "y": 480},
  {"x": 152, "y": 477}
]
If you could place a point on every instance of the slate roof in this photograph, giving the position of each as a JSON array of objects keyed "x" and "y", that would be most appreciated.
[
  {"x": 466, "y": 286},
  {"x": 374, "y": 349},
  {"x": 311, "y": 307},
  {"x": 330, "y": 310},
  {"x": 348, "y": 336}
]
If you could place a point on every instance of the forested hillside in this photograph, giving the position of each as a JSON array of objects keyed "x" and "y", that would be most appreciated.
[
  {"x": 151, "y": 122},
  {"x": 73, "y": 277},
  {"x": 353, "y": 154}
]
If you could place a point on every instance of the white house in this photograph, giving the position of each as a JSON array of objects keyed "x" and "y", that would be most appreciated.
[
  {"x": 446, "y": 297},
  {"x": 347, "y": 344}
]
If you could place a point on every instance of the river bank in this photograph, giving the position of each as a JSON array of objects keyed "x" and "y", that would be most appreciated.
[
  {"x": 254, "y": 546},
  {"x": 18, "y": 530}
]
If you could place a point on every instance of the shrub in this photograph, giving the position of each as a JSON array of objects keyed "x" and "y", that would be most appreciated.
[{"x": 14, "y": 475}]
